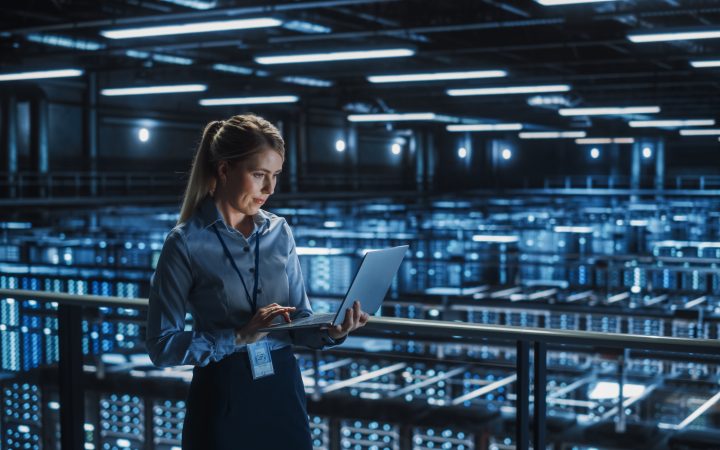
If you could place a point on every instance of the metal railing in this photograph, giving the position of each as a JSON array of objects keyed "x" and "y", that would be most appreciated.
[
  {"x": 70, "y": 365},
  {"x": 82, "y": 184},
  {"x": 79, "y": 184},
  {"x": 679, "y": 182}
]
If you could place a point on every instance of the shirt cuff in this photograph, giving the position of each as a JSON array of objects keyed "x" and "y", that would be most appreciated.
[
  {"x": 225, "y": 342},
  {"x": 329, "y": 341}
]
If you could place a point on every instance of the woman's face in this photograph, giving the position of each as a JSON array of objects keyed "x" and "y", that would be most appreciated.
[{"x": 249, "y": 183}]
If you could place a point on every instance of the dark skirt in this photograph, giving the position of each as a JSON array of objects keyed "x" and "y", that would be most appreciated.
[{"x": 227, "y": 409}]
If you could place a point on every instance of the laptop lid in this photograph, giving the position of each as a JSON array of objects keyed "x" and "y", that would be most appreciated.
[{"x": 371, "y": 283}]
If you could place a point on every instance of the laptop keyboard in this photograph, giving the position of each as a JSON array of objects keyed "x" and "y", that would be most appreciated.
[{"x": 316, "y": 318}]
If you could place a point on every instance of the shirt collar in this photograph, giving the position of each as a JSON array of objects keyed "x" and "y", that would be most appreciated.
[{"x": 210, "y": 215}]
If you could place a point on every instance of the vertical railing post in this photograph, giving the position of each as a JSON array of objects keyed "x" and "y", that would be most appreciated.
[
  {"x": 539, "y": 394},
  {"x": 317, "y": 395},
  {"x": 70, "y": 367},
  {"x": 522, "y": 419},
  {"x": 620, "y": 423}
]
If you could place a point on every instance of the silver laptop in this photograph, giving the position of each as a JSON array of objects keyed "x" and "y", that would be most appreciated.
[{"x": 371, "y": 283}]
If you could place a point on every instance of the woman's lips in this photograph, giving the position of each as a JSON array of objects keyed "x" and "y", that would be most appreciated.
[{"x": 259, "y": 201}]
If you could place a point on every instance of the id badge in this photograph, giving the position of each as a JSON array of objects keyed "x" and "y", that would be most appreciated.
[{"x": 260, "y": 359}]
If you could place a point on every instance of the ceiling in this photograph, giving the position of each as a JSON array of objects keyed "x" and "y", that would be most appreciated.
[{"x": 585, "y": 46}]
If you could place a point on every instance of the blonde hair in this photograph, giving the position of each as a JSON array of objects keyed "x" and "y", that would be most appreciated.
[{"x": 235, "y": 139}]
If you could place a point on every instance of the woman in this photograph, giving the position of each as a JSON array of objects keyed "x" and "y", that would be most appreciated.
[{"x": 234, "y": 267}]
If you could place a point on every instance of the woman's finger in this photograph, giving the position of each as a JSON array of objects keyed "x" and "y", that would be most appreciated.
[{"x": 349, "y": 318}]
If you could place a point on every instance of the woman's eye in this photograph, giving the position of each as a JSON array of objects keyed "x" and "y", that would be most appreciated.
[{"x": 258, "y": 175}]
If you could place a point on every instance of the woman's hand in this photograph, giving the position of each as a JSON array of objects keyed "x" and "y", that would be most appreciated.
[
  {"x": 262, "y": 319},
  {"x": 354, "y": 319}
]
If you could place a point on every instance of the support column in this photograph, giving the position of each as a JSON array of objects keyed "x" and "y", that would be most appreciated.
[
  {"x": 290, "y": 134},
  {"x": 417, "y": 149},
  {"x": 352, "y": 156},
  {"x": 302, "y": 146},
  {"x": 9, "y": 144},
  {"x": 39, "y": 154},
  {"x": 614, "y": 151},
  {"x": 660, "y": 164},
  {"x": 635, "y": 169},
  {"x": 430, "y": 161},
  {"x": 90, "y": 132}
]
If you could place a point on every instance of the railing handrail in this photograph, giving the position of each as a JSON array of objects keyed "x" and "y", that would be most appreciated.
[{"x": 439, "y": 328}]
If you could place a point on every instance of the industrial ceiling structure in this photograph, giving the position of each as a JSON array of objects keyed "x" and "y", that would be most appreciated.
[{"x": 498, "y": 65}]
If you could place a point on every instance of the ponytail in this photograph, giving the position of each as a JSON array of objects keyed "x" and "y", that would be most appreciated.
[
  {"x": 235, "y": 139},
  {"x": 202, "y": 175}
]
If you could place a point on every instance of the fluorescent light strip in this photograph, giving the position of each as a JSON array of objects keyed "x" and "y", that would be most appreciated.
[
  {"x": 495, "y": 238},
  {"x": 42, "y": 74},
  {"x": 510, "y": 90},
  {"x": 671, "y": 123},
  {"x": 169, "y": 59},
  {"x": 232, "y": 69},
  {"x": 62, "y": 41},
  {"x": 552, "y": 134},
  {"x": 194, "y": 4},
  {"x": 712, "y": 33},
  {"x": 485, "y": 127},
  {"x": 188, "y": 28},
  {"x": 335, "y": 56},
  {"x": 704, "y": 64},
  {"x": 701, "y": 132},
  {"x": 569, "y": 2},
  {"x": 613, "y": 110},
  {"x": 434, "y": 76},
  {"x": 598, "y": 141},
  {"x": 249, "y": 100},
  {"x": 171, "y": 89},
  {"x": 306, "y": 27},
  {"x": 391, "y": 117},
  {"x": 307, "y": 81}
]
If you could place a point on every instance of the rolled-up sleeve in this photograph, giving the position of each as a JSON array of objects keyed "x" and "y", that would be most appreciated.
[
  {"x": 167, "y": 342},
  {"x": 314, "y": 338}
]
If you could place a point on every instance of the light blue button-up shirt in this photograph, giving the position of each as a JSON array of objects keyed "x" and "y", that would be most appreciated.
[{"x": 194, "y": 275}]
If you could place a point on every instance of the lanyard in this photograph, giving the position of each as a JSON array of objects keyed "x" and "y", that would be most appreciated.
[{"x": 252, "y": 300}]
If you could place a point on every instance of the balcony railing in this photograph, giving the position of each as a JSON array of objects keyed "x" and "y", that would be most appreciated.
[{"x": 524, "y": 338}]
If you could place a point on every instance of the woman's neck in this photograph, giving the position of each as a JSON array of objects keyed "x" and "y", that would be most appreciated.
[{"x": 235, "y": 219}]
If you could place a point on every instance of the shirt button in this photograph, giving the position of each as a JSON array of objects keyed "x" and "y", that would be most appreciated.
[
  {"x": 247, "y": 249},
  {"x": 259, "y": 290},
  {"x": 252, "y": 270}
]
